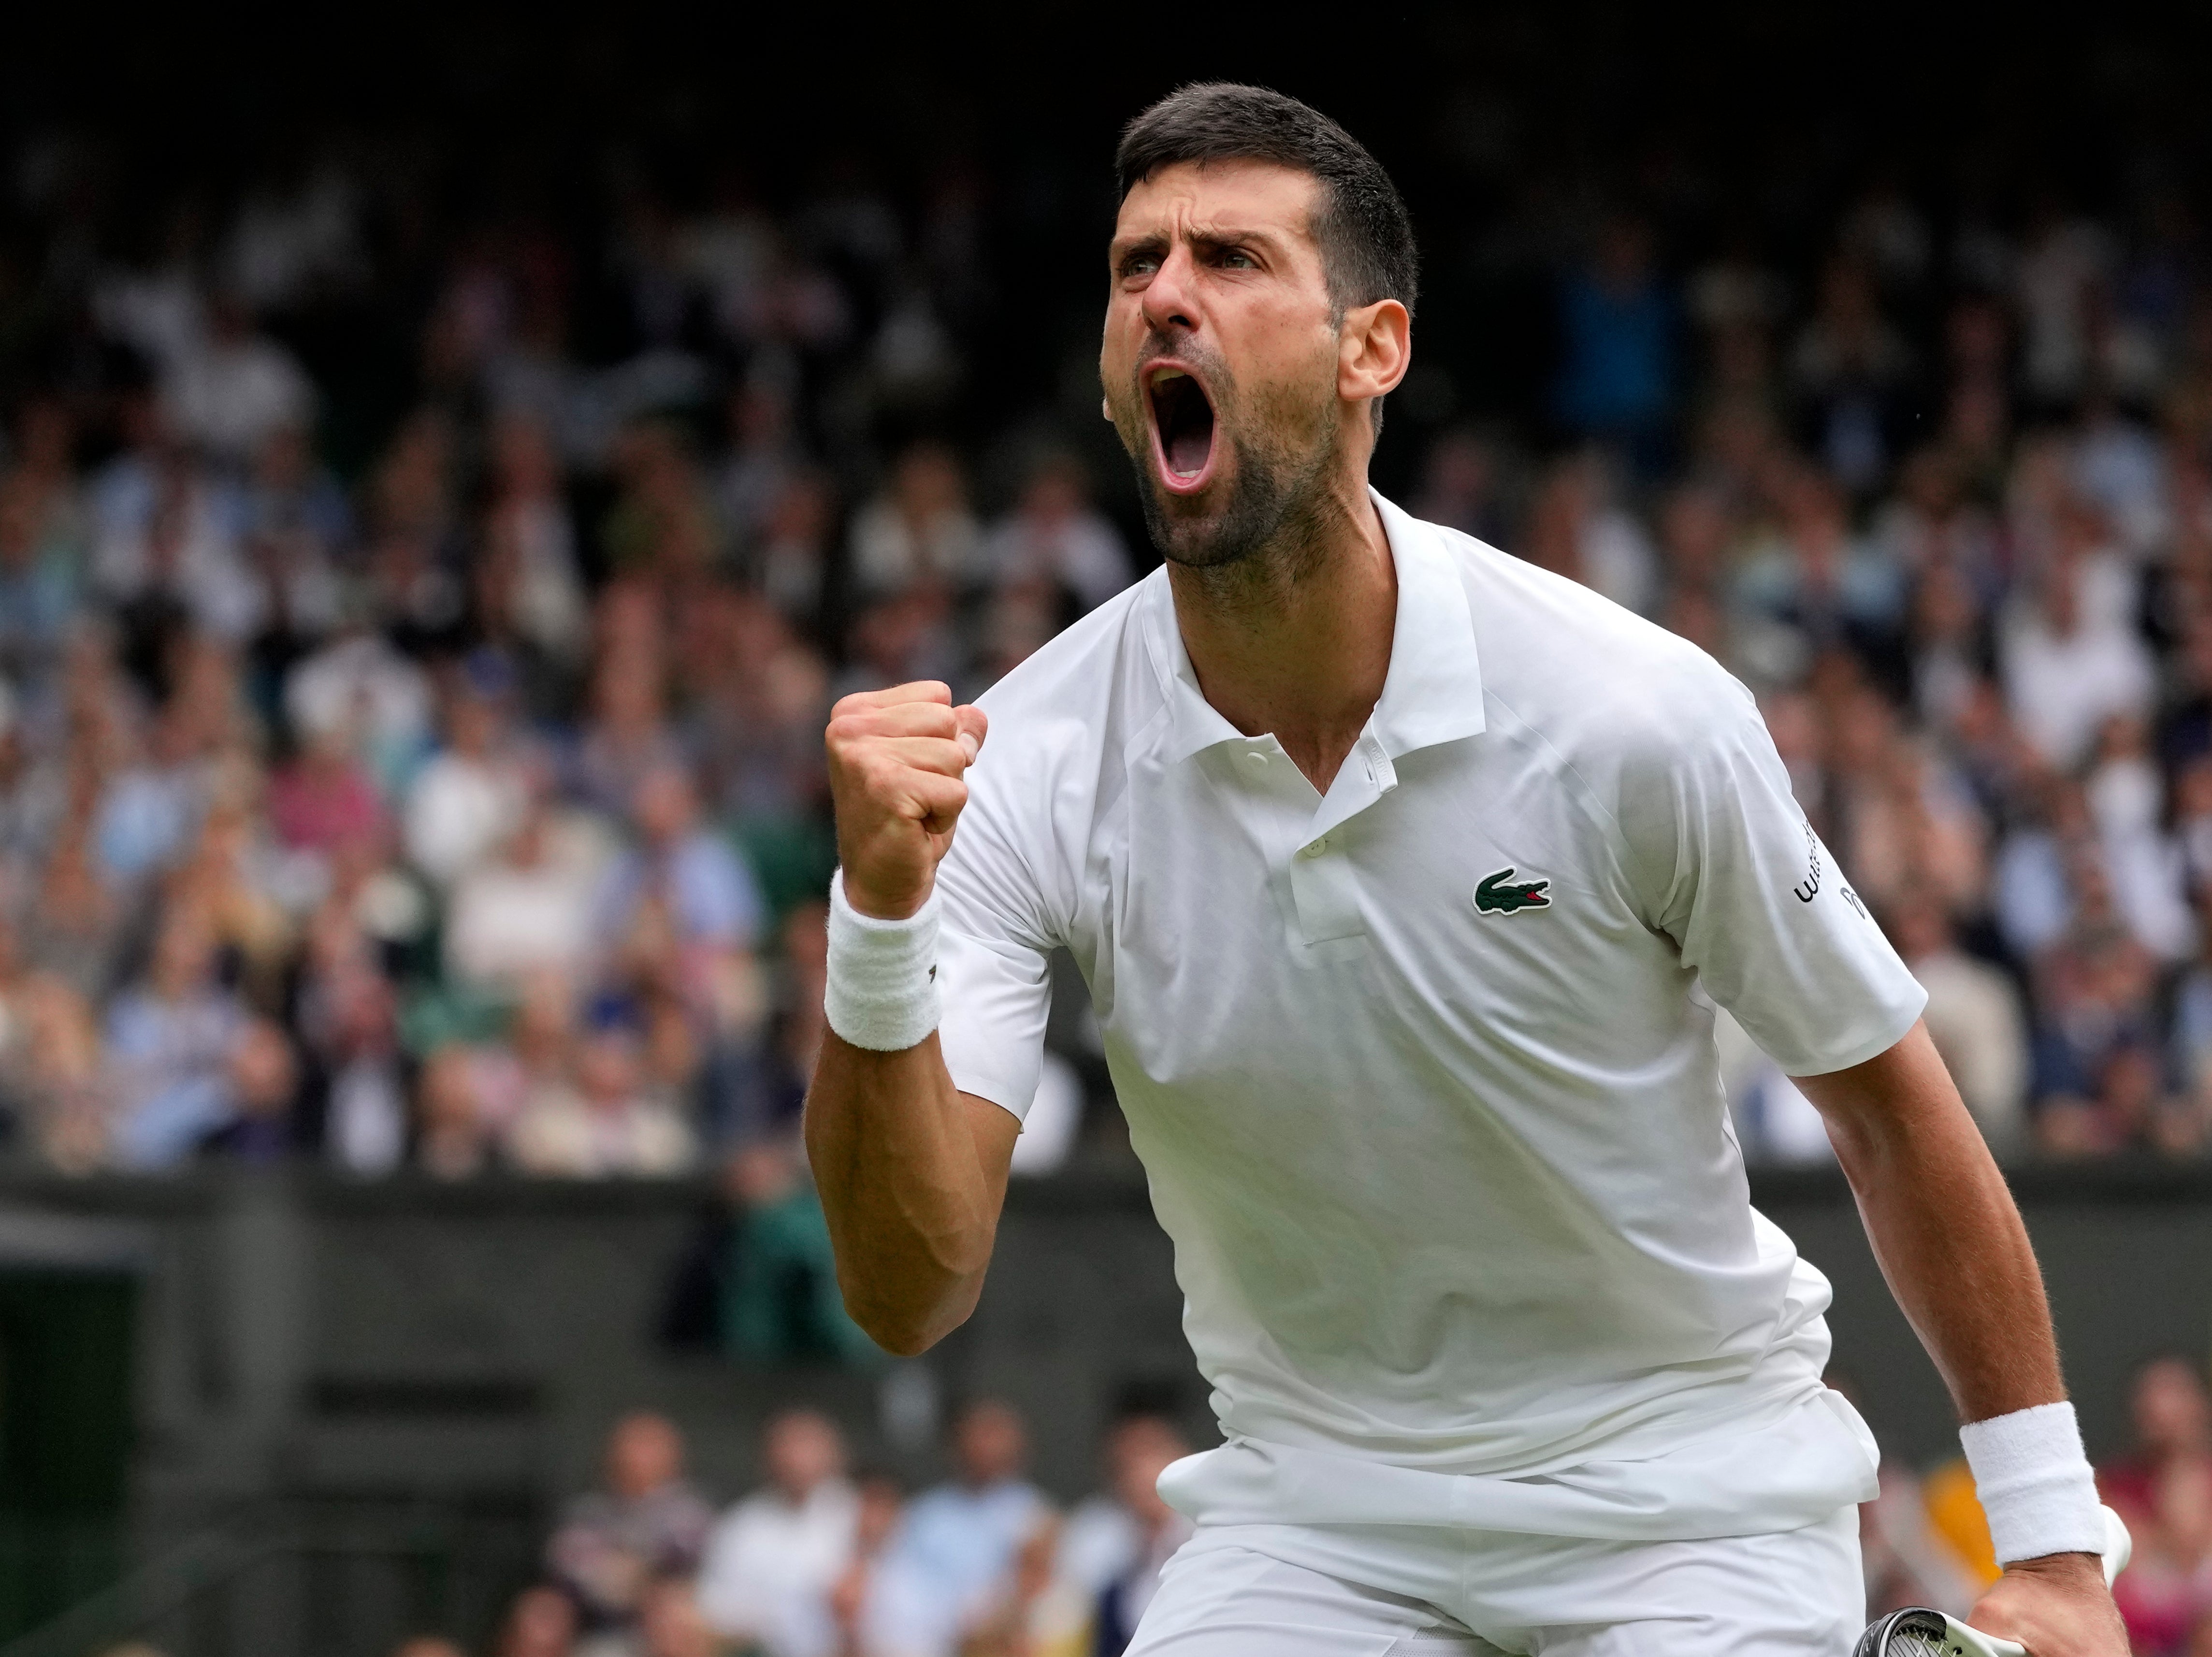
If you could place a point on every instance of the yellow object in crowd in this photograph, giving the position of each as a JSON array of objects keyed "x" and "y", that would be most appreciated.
[{"x": 1954, "y": 1513}]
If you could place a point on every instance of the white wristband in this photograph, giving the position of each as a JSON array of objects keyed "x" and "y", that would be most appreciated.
[
  {"x": 2035, "y": 1482},
  {"x": 882, "y": 990}
]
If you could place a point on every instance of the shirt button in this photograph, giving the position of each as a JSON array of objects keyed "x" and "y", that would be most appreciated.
[
  {"x": 1316, "y": 848},
  {"x": 1254, "y": 756}
]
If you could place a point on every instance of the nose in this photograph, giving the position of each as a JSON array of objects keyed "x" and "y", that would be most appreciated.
[{"x": 1170, "y": 298}]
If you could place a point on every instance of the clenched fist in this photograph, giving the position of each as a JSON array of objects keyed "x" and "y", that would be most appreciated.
[{"x": 897, "y": 758}]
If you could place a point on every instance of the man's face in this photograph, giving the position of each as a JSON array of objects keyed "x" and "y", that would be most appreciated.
[
  {"x": 1221, "y": 357},
  {"x": 989, "y": 1444}
]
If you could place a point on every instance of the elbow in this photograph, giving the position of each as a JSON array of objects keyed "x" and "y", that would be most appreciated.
[
  {"x": 901, "y": 1341},
  {"x": 907, "y": 1331}
]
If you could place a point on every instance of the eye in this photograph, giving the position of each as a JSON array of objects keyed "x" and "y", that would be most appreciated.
[
  {"x": 1140, "y": 265},
  {"x": 1235, "y": 258}
]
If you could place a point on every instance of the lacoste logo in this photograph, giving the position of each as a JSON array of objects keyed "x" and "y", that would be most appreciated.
[{"x": 1499, "y": 894}]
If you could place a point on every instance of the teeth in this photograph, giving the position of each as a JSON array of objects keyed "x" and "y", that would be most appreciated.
[{"x": 1166, "y": 374}]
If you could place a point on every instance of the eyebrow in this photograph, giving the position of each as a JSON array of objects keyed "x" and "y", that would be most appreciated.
[{"x": 1208, "y": 236}]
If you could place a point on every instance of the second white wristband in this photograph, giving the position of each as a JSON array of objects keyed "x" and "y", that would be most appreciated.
[
  {"x": 2034, "y": 1483},
  {"x": 882, "y": 988}
]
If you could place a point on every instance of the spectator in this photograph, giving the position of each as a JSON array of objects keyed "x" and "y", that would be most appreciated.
[
  {"x": 1973, "y": 1014},
  {"x": 672, "y": 1625},
  {"x": 529, "y": 531},
  {"x": 1460, "y": 487},
  {"x": 1617, "y": 377},
  {"x": 469, "y": 795},
  {"x": 165, "y": 550},
  {"x": 920, "y": 531},
  {"x": 1850, "y": 370},
  {"x": 958, "y": 1543},
  {"x": 38, "y": 580},
  {"x": 790, "y": 560},
  {"x": 764, "y": 457},
  {"x": 774, "y": 1558},
  {"x": 778, "y": 1298},
  {"x": 350, "y": 1021},
  {"x": 682, "y": 898},
  {"x": 170, "y": 1040},
  {"x": 76, "y": 928},
  {"x": 230, "y": 391},
  {"x": 147, "y": 811},
  {"x": 647, "y": 1523},
  {"x": 454, "y": 1138},
  {"x": 629, "y": 736},
  {"x": 606, "y": 1122},
  {"x": 2163, "y": 1490},
  {"x": 2070, "y": 654},
  {"x": 50, "y": 1081},
  {"x": 264, "y": 1088},
  {"x": 1578, "y": 529},
  {"x": 325, "y": 800},
  {"x": 297, "y": 526},
  {"x": 357, "y": 690},
  {"x": 874, "y": 1606},
  {"x": 526, "y": 909},
  {"x": 1113, "y": 1546},
  {"x": 1054, "y": 535},
  {"x": 541, "y": 1623}
]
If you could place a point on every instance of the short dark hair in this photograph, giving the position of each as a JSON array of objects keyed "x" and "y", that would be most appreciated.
[{"x": 1366, "y": 239}]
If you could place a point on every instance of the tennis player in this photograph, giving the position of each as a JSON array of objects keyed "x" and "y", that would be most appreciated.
[{"x": 1405, "y": 877}]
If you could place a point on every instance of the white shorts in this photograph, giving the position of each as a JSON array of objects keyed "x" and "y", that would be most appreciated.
[{"x": 1309, "y": 1591}]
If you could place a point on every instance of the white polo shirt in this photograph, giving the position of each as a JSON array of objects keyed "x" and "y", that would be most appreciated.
[{"x": 1423, "y": 1071}]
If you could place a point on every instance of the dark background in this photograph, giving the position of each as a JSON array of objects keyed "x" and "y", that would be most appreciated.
[{"x": 1506, "y": 129}]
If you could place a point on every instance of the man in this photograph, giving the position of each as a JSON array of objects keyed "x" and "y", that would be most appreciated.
[
  {"x": 646, "y": 1523},
  {"x": 773, "y": 1557},
  {"x": 1405, "y": 877},
  {"x": 949, "y": 1560}
]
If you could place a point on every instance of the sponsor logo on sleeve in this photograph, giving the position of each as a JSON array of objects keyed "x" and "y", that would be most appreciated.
[{"x": 1809, "y": 888}]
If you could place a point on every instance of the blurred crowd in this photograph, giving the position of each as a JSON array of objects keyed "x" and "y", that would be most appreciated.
[
  {"x": 468, "y": 813},
  {"x": 410, "y": 751},
  {"x": 1944, "y": 502},
  {"x": 823, "y": 1561}
]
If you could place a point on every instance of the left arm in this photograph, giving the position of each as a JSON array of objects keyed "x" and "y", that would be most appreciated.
[{"x": 1951, "y": 1245}]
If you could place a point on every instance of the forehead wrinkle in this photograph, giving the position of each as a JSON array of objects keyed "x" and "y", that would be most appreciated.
[
  {"x": 1179, "y": 202},
  {"x": 1223, "y": 235}
]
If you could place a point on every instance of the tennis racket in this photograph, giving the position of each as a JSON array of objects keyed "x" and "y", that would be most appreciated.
[{"x": 1923, "y": 1633}]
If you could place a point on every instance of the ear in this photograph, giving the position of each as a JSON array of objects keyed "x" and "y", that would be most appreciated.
[{"x": 1374, "y": 347}]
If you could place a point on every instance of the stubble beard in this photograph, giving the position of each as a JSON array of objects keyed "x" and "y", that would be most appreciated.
[{"x": 1270, "y": 520}]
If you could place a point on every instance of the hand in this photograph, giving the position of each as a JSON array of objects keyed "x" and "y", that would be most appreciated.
[
  {"x": 2057, "y": 1606},
  {"x": 897, "y": 758}
]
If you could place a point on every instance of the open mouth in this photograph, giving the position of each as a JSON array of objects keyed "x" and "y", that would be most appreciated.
[{"x": 1182, "y": 421}]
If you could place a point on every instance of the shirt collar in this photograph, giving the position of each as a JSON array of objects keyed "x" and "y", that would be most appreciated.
[{"x": 1432, "y": 692}]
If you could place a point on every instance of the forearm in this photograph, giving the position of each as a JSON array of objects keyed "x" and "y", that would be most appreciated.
[
  {"x": 911, "y": 1206},
  {"x": 1944, "y": 1227}
]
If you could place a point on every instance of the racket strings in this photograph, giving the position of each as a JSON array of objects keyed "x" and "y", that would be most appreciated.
[
  {"x": 1910, "y": 1642},
  {"x": 1909, "y": 1634}
]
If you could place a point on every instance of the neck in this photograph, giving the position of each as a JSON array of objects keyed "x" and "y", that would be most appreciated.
[{"x": 1294, "y": 638}]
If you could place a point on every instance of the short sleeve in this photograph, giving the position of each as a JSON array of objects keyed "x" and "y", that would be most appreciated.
[
  {"x": 994, "y": 942},
  {"x": 1738, "y": 879}
]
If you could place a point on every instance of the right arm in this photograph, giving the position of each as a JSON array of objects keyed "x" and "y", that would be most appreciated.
[{"x": 911, "y": 1171}]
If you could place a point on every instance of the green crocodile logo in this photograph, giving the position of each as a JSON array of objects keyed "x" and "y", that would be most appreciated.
[{"x": 1496, "y": 896}]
